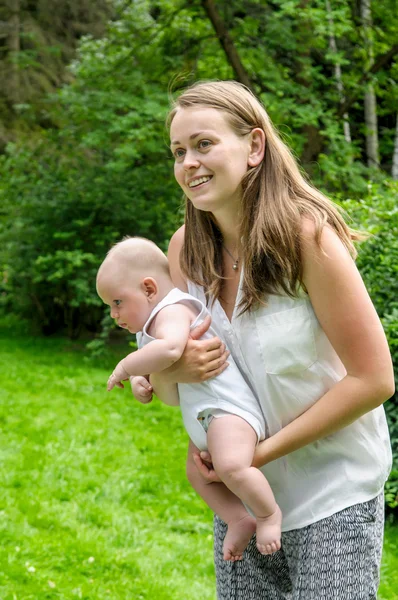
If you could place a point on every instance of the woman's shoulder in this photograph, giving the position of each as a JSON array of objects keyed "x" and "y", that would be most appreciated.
[
  {"x": 177, "y": 239},
  {"x": 314, "y": 237},
  {"x": 173, "y": 255}
]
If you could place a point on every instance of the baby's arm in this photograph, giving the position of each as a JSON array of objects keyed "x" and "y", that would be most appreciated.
[
  {"x": 171, "y": 328},
  {"x": 141, "y": 388}
]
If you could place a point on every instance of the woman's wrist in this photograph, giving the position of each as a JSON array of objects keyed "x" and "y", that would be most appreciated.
[{"x": 261, "y": 455}]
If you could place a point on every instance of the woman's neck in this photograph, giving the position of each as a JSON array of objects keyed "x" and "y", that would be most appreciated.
[{"x": 229, "y": 228}]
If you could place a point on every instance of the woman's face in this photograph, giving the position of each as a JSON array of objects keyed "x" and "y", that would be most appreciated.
[{"x": 210, "y": 159}]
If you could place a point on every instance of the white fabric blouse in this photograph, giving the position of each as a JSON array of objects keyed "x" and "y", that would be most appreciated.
[{"x": 285, "y": 356}]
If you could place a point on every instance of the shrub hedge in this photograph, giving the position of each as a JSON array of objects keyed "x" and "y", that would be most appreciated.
[{"x": 377, "y": 213}]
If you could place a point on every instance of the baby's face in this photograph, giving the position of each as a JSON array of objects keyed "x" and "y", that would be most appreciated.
[{"x": 127, "y": 300}]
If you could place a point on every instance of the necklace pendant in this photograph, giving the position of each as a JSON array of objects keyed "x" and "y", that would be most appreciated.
[{"x": 235, "y": 265}]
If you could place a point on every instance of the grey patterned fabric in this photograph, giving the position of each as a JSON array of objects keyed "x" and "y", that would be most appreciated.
[{"x": 337, "y": 558}]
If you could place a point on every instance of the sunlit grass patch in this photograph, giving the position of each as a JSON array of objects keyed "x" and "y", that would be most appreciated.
[{"x": 94, "y": 501}]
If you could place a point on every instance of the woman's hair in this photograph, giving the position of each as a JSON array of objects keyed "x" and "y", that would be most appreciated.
[{"x": 275, "y": 198}]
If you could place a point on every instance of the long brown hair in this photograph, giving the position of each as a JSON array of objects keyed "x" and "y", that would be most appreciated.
[{"x": 275, "y": 198}]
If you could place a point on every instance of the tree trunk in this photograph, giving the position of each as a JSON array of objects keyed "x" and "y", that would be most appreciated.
[
  {"x": 301, "y": 75},
  {"x": 379, "y": 63},
  {"x": 394, "y": 170},
  {"x": 227, "y": 43},
  {"x": 372, "y": 141},
  {"x": 13, "y": 43},
  {"x": 337, "y": 71}
]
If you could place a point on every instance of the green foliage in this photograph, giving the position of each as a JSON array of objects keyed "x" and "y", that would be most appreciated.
[
  {"x": 66, "y": 203},
  {"x": 377, "y": 213},
  {"x": 103, "y": 171}
]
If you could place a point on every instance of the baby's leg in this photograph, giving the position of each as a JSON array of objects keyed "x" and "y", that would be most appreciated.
[
  {"x": 241, "y": 526},
  {"x": 232, "y": 441}
]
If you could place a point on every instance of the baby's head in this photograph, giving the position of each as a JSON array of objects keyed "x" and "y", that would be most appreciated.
[{"x": 132, "y": 280}]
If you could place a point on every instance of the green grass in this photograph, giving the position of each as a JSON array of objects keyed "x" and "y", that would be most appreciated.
[
  {"x": 389, "y": 568},
  {"x": 94, "y": 503}
]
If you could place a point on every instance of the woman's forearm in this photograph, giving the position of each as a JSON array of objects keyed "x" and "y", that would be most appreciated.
[{"x": 348, "y": 400}]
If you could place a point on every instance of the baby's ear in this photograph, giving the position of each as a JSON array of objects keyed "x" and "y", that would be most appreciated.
[{"x": 150, "y": 287}]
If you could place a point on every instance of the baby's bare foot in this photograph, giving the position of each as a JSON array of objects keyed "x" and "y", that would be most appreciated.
[
  {"x": 238, "y": 536},
  {"x": 268, "y": 532}
]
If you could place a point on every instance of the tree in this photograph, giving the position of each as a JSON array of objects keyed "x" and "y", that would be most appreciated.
[
  {"x": 394, "y": 170},
  {"x": 337, "y": 70},
  {"x": 39, "y": 39},
  {"x": 100, "y": 168},
  {"x": 226, "y": 43},
  {"x": 372, "y": 140},
  {"x": 13, "y": 40}
]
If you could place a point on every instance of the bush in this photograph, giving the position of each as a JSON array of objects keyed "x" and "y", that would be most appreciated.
[
  {"x": 377, "y": 213},
  {"x": 64, "y": 209},
  {"x": 102, "y": 172}
]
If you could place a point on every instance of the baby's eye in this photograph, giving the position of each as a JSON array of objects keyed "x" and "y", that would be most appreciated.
[
  {"x": 204, "y": 144},
  {"x": 117, "y": 302}
]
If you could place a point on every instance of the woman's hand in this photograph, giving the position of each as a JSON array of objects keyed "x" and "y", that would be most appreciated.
[
  {"x": 205, "y": 467},
  {"x": 201, "y": 360}
]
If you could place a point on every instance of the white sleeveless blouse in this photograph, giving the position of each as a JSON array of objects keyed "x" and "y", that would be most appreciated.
[{"x": 285, "y": 356}]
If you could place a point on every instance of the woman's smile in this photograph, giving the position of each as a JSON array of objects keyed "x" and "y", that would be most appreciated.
[{"x": 199, "y": 182}]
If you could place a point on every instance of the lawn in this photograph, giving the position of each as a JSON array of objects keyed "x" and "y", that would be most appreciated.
[{"x": 94, "y": 503}]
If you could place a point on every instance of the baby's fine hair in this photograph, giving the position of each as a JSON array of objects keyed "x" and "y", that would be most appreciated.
[{"x": 139, "y": 253}]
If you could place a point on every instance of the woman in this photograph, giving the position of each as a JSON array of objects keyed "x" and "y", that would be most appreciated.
[{"x": 273, "y": 259}]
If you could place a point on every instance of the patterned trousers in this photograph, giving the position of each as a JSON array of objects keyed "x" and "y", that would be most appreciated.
[{"x": 337, "y": 558}]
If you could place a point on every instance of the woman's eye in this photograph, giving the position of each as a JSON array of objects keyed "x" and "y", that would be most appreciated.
[
  {"x": 204, "y": 144},
  {"x": 179, "y": 153}
]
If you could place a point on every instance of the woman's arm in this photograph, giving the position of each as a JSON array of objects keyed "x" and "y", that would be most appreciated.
[{"x": 348, "y": 317}]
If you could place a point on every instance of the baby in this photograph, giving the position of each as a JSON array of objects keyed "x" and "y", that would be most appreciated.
[{"x": 220, "y": 415}]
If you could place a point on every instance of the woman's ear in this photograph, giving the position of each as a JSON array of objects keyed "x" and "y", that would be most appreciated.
[
  {"x": 257, "y": 147},
  {"x": 150, "y": 287}
]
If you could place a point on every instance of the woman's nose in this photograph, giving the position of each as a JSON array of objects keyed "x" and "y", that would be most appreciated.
[{"x": 191, "y": 161}]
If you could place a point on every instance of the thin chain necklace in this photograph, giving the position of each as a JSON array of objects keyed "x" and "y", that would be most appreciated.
[{"x": 235, "y": 266}]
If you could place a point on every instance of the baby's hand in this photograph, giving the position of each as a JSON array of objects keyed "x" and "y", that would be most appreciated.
[
  {"x": 141, "y": 389},
  {"x": 118, "y": 375}
]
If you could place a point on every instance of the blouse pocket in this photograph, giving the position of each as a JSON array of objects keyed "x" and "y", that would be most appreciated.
[{"x": 287, "y": 340}]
